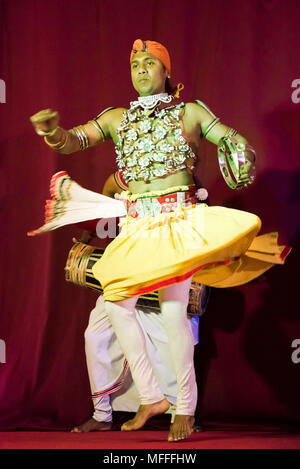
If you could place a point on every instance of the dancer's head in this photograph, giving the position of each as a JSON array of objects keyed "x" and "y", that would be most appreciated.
[{"x": 150, "y": 67}]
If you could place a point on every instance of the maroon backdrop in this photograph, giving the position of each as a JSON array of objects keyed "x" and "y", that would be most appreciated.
[{"x": 241, "y": 59}]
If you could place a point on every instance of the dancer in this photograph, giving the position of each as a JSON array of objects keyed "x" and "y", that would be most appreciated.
[{"x": 166, "y": 236}]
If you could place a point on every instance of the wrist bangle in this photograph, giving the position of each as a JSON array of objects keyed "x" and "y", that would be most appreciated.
[{"x": 59, "y": 145}]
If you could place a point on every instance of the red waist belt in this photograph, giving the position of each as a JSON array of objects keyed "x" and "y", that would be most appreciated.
[{"x": 162, "y": 204}]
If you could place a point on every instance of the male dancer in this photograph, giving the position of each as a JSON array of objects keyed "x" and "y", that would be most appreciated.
[{"x": 156, "y": 144}]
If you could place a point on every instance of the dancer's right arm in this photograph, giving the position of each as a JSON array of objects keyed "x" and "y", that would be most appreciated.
[{"x": 81, "y": 137}]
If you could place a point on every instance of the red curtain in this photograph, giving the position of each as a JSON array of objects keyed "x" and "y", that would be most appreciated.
[{"x": 242, "y": 60}]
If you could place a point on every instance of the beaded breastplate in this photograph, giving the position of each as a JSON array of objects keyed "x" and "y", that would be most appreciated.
[{"x": 151, "y": 146}]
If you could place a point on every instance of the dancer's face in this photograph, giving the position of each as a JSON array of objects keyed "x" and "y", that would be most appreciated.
[{"x": 148, "y": 74}]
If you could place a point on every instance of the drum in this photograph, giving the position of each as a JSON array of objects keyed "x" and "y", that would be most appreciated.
[{"x": 78, "y": 270}]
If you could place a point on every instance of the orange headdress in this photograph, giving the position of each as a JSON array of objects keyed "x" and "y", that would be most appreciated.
[{"x": 154, "y": 48}]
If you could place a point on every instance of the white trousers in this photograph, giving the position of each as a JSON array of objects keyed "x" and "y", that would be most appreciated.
[
  {"x": 173, "y": 302},
  {"x": 111, "y": 387}
]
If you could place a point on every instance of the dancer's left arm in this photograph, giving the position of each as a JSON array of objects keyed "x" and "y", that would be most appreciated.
[{"x": 210, "y": 127}]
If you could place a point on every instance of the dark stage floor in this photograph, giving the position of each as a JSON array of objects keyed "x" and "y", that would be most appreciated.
[{"x": 157, "y": 439}]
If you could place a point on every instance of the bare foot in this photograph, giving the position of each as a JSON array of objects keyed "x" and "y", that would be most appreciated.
[
  {"x": 144, "y": 413},
  {"x": 92, "y": 425},
  {"x": 181, "y": 428}
]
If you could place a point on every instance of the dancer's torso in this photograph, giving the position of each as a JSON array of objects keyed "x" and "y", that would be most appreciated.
[{"x": 183, "y": 141}]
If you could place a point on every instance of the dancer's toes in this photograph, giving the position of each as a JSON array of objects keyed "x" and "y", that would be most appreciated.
[
  {"x": 92, "y": 425},
  {"x": 181, "y": 428},
  {"x": 144, "y": 413}
]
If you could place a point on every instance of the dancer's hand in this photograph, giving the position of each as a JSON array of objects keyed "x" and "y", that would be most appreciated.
[{"x": 45, "y": 121}]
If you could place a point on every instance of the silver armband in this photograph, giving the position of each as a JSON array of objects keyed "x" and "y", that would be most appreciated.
[
  {"x": 215, "y": 118},
  {"x": 237, "y": 162},
  {"x": 80, "y": 133},
  {"x": 98, "y": 127},
  {"x": 211, "y": 125},
  {"x": 96, "y": 123}
]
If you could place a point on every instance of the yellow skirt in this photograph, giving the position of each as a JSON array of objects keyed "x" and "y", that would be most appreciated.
[{"x": 216, "y": 245}]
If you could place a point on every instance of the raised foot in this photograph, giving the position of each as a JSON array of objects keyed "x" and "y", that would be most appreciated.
[
  {"x": 181, "y": 428},
  {"x": 92, "y": 425},
  {"x": 144, "y": 413}
]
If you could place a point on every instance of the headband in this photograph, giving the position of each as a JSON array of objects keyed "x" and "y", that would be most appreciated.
[{"x": 154, "y": 48}]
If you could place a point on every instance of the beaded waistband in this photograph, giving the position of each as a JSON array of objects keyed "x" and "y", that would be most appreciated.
[
  {"x": 134, "y": 196},
  {"x": 155, "y": 202}
]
